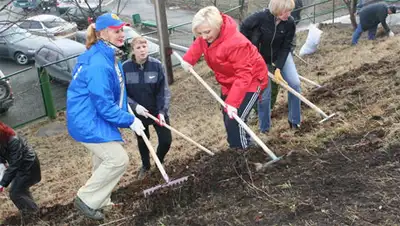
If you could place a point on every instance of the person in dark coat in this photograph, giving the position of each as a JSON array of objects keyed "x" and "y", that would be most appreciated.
[
  {"x": 272, "y": 31},
  {"x": 23, "y": 170},
  {"x": 148, "y": 93},
  {"x": 370, "y": 17}
]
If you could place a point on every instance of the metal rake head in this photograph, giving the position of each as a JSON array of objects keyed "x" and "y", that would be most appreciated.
[
  {"x": 327, "y": 118},
  {"x": 176, "y": 182}
]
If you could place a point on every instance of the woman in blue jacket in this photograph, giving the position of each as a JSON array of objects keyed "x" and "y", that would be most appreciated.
[
  {"x": 96, "y": 108},
  {"x": 148, "y": 93}
]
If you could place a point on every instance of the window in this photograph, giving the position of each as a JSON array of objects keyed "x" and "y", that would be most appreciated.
[
  {"x": 43, "y": 53},
  {"x": 63, "y": 65},
  {"x": 52, "y": 56},
  {"x": 30, "y": 24},
  {"x": 72, "y": 11},
  {"x": 2, "y": 40},
  {"x": 54, "y": 22}
]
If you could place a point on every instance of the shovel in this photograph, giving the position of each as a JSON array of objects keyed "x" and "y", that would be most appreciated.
[
  {"x": 302, "y": 98},
  {"x": 160, "y": 167}
]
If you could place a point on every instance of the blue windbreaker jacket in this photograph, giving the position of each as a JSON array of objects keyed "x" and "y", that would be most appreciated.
[{"x": 93, "y": 112}]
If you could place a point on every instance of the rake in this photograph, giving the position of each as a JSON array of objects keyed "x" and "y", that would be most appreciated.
[
  {"x": 235, "y": 116},
  {"x": 168, "y": 182},
  {"x": 302, "y": 98},
  {"x": 182, "y": 135}
]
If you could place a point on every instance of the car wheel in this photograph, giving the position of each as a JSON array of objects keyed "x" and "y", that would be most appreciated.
[
  {"x": 21, "y": 58},
  {"x": 3, "y": 110},
  {"x": 4, "y": 90}
]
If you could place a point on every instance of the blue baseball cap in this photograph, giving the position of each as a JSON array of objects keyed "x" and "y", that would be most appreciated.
[{"x": 109, "y": 20}]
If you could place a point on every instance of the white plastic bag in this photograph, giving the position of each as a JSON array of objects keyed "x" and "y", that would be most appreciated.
[
  {"x": 312, "y": 42},
  {"x": 2, "y": 170}
]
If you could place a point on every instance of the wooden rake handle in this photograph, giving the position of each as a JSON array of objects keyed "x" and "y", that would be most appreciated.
[
  {"x": 301, "y": 97},
  {"x": 152, "y": 152},
  {"x": 309, "y": 81},
  {"x": 182, "y": 135},
  {"x": 236, "y": 117}
]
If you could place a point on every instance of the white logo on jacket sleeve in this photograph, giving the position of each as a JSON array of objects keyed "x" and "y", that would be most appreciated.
[
  {"x": 77, "y": 72},
  {"x": 151, "y": 77}
]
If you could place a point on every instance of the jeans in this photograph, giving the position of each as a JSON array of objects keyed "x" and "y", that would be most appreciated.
[
  {"x": 357, "y": 33},
  {"x": 164, "y": 142},
  {"x": 289, "y": 73}
]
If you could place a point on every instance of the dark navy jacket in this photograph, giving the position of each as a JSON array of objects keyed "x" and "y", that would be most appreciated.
[
  {"x": 374, "y": 14},
  {"x": 146, "y": 84}
]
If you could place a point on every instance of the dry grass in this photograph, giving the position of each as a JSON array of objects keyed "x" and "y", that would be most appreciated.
[{"x": 66, "y": 164}]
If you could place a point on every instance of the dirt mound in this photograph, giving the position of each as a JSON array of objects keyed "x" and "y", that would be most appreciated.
[{"x": 344, "y": 171}]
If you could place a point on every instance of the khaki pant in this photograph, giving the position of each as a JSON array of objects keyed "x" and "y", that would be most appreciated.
[{"x": 110, "y": 161}]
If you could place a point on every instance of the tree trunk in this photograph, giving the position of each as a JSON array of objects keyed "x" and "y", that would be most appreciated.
[{"x": 351, "y": 6}]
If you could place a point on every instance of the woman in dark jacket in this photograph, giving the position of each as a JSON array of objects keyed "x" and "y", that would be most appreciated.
[
  {"x": 272, "y": 31},
  {"x": 22, "y": 172}
]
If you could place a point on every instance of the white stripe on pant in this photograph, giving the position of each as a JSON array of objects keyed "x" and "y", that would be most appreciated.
[
  {"x": 242, "y": 131},
  {"x": 110, "y": 161}
]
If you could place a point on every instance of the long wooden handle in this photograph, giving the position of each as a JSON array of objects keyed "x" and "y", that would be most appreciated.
[
  {"x": 152, "y": 152},
  {"x": 155, "y": 157},
  {"x": 182, "y": 135},
  {"x": 309, "y": 81},
  {"x": 301, "y": 97},
  {"x": 236, "y": 117}
]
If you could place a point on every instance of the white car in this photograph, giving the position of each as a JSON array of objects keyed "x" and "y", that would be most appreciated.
[{"x": 50, "y": 26}]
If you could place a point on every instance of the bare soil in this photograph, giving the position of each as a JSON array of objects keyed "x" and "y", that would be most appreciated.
[{"x": 341, "y": 172}]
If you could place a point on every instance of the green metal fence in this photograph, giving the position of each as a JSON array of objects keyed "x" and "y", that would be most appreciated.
[
  {"x": 335, "y": 6},
  {"x": 39, "y": 97}
]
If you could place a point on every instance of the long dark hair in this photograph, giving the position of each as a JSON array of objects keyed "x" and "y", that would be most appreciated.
[{"x": 5, "y": 132}]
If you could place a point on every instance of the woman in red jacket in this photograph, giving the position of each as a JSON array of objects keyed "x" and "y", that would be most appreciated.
[{"x": 238, "y": 67}]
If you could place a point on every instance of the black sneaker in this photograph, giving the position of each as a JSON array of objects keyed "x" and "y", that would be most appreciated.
[
  {"x": 87, "y": 211},
  {"x": 294, "y": 126},
  {"x": 143, "y": 172}
]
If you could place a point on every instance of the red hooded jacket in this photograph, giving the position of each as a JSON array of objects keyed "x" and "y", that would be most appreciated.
[{"x": 237, "y": 64}]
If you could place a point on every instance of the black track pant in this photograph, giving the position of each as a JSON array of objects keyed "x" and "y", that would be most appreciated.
[
  {"x": 164, "y": 142},
  {"x": 237, "y": 136},
  {"x": 19, "y": 191}
]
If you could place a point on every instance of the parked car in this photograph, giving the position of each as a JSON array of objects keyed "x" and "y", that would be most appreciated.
[
  {"x": 57, "y": 50},
  {"x": 49, "y": 26},
  {"x": 63, "y": 5},
  {"x": 18, "y": 44},
  {"x": 6, "y": 95},
  {"x": 26, "y": 4},
  {"x": 82, "y": 16}
]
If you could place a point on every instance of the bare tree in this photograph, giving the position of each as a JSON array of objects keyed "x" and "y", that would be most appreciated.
[{"x": 352, "y": 7}]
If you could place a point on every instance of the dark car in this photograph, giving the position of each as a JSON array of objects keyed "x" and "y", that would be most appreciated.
[
  {"x": 55, "y": 51},
  {"x": 6, "y": 95},
  {"x": 82, "y": 16}
]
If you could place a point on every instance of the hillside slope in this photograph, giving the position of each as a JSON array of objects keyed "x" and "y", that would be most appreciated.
[{"x": 342, "y": 172}]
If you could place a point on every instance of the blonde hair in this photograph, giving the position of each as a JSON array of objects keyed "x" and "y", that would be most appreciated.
[
  {"x": 138, "y": 40},
  {"x": 91, "y": 35},
  {"x": 277, "y": 7},
  {"x": 209, "y": 15},
  {"x": 135, "y": 41}
]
